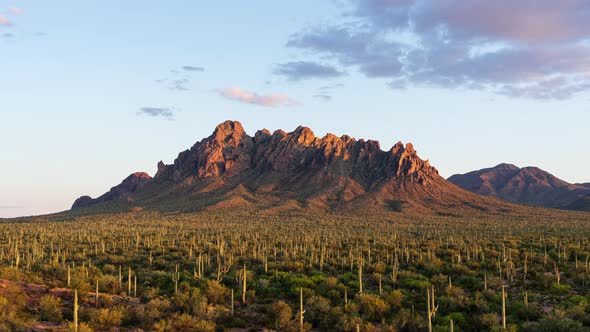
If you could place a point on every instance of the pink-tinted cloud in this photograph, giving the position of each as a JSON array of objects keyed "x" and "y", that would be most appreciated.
[
  {"x": 16, "y": 11},
  {"x": 4, "y": 21},
  {"x": 512, "y": 47},
  {"x": 244, "y": 96}
]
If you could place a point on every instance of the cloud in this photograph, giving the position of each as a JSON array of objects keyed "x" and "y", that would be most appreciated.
[
  {"x": 4, "y": 21},
  {"x": 192, "y": 68},
  {"x": 16, "y": 11},
  {"x": 302, "y": 70},
  {"x": 244, "y": 96},
  {"x": 167, "y": 113},
  {"x": 179, "y": 84},
  {"x": 323, "y": 97},
  {"x": 531, "y": 49},
  {"x": 331, "y": 87},
  {"x": 10, "y": 207}
]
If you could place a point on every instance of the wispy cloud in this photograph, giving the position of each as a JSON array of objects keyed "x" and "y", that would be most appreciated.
[
  {"x": 534, "y": 49},
  {"x": 192, "y": 68},
  {"x": 324, "y": 92},
  {"x": 16, "y": 11},
  {"x": 179, "y": 84},
  {"x": 10, "y": 207},
  {"x": 180, "y": 79},
  {"x": 244, "y": 96},
  {"x": 4, "y": 21},
  {"x": 302, "y": 70},
  {"x": 163, "y": 112},
  {"x": 323, "y": 97}
]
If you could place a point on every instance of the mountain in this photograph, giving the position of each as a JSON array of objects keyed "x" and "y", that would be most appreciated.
[
  {"x": 280, "y": 171},
  {"x": 124, "y": 190},
  {"x": 528, "y": 185}
]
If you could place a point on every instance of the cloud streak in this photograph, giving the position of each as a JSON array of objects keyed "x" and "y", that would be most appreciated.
[
  {"x": 531, "y": 49},
  {"x": 303, "y": 70},
  {"x": 10, "y": 207},
  {"x": 192, "y": 68},
  {"x": 244, "y": 96},
  {"x": 4, "y": 21},
  {"x": 16, "y": 11},
  {"x": 162, "y": 112}
]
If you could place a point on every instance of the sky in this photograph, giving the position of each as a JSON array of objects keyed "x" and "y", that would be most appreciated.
[{"x": 91, "y": 91}]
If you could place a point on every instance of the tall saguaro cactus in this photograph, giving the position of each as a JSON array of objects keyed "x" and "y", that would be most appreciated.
[
  {"x": 76, "y": 307},
  {"x": 244, "y": 283},
  {"x": 232, "y": 302},
  {"x": 504, "y": 307},
  {"x": 430, "y": 306},
  {"x": 360, "y": 271},
  {"x": 301, "y": 311},
  {"x": 129, "y": 282},
  {"x": 176, "y": 278},
  {"x": 96, "y": 293}
]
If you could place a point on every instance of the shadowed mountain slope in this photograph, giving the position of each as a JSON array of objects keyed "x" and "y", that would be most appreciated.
[{"x": 528, "y": 185}]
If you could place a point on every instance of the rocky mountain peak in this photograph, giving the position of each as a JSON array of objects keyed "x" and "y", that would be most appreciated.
[
  {"x": 228, "y": 131},
  {"x": 329, "y": 169}
]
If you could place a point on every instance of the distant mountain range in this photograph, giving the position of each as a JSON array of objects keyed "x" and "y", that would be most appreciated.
[
  {"x": 528, "y": 185},
  {"x": 277, "y": 172}
]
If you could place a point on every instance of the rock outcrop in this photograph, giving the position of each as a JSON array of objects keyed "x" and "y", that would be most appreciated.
[{"x": 230, "y": 152}]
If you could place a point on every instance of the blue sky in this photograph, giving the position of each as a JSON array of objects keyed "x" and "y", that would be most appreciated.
[{"x": 91, "y": 91}]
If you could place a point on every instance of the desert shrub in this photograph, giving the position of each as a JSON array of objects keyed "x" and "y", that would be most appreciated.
[
  {"x": 13, "y": 302},
  {"x": 154, "y": 311},
  {"x": 319, "y": 311},
  {"x": 555, "y": 322},
  {"x": 215, "y": 292},
  {"x": 394, "y": 298},
  {"x": 282, "y": 314},
  {"x": 184, "y": 322},
  {"x": 82, "y": 327},
  {"x": 373, "y": 306},
  {"x": 50, "y": 308},
  {"x": 108, "y": 317}
]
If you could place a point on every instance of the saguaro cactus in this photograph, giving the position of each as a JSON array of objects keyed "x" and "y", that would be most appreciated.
[
  {"x": 76, "y": 310},
  {"x": 345, "y": 298},
  {"x": 360, "y": 270},
  {"x": 232, "y": 302},
  {"x": 504, "y": 307},
  {"x": 176, "y": 278},
  {"x": 129, "y": 281},
  {"x": 301, "y": 311},
  {"x": 430, "y": 306},
  {"x": 244, "y": 283},
  {"x": 96, "y": 302}
]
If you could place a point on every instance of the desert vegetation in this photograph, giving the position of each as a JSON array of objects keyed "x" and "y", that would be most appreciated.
[{"x": 217, "y": 271}]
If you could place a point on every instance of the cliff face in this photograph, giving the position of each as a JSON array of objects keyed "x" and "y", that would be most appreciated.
[
  {"x": 230, "y": 152},
  {"x": 282, "y": 171}
]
